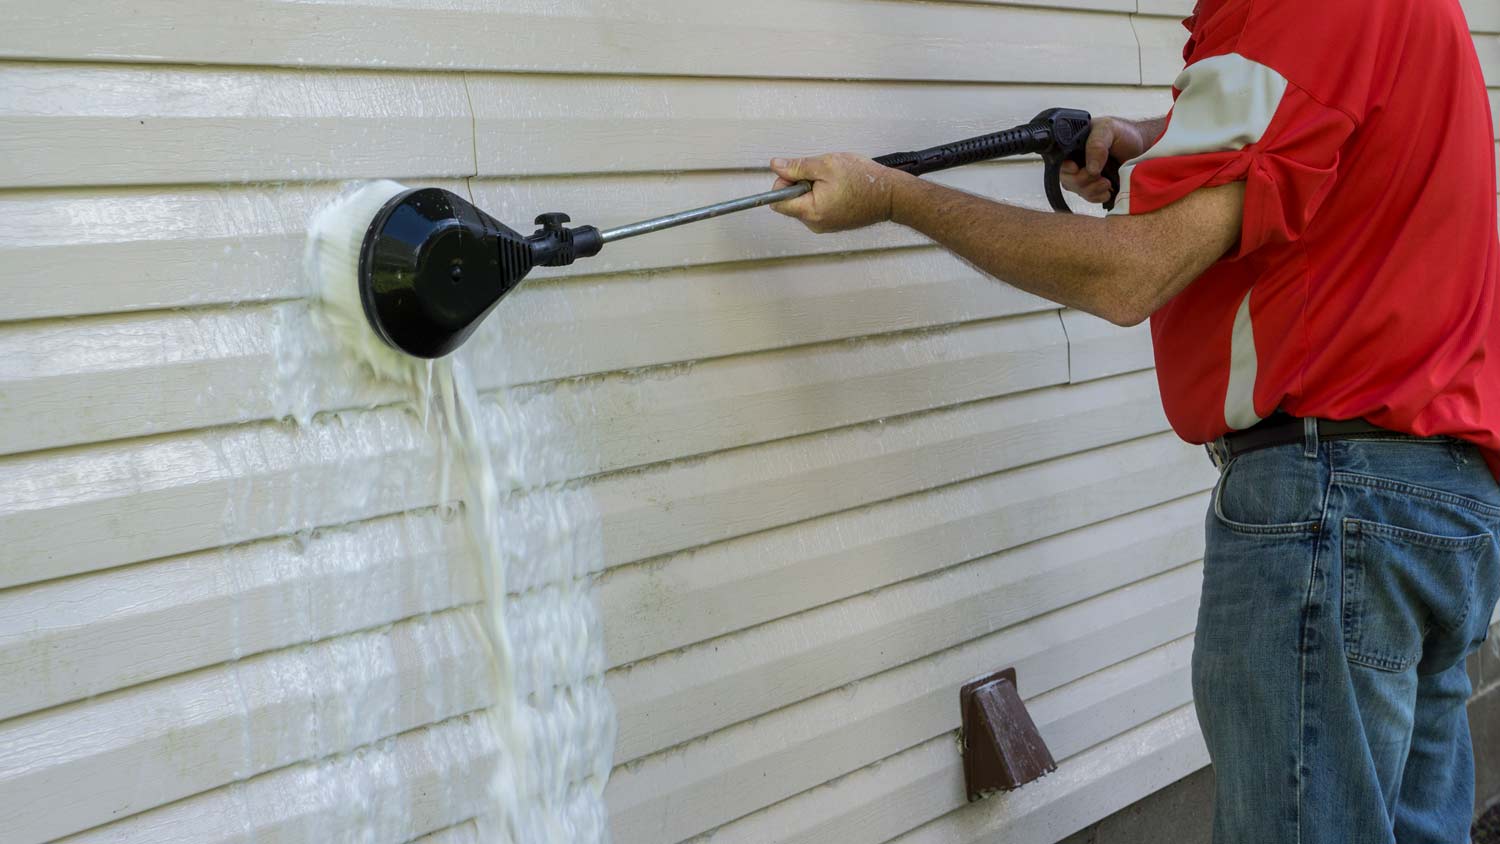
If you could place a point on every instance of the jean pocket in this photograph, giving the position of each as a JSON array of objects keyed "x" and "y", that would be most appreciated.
[
  {"x": 1269, "y": 492},
  {"x": 1399, "y": 585}
]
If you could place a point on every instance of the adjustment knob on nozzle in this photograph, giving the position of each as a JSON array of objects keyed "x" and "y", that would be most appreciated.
[{"x": 556, "y": 245}]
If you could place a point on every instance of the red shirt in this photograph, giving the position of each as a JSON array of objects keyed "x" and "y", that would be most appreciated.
[{"x": 1364, "y": 284}]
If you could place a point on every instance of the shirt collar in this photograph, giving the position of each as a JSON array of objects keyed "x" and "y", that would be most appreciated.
[{"x": 1202, "y": 12}]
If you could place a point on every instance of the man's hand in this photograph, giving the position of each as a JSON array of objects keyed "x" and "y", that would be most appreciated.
[
  {"x": 849, "y": 191},
  {"x": 1110, "y": 137}
]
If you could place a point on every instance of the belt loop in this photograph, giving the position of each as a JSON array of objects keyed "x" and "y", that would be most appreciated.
[{"x": 1310, "y": 437}]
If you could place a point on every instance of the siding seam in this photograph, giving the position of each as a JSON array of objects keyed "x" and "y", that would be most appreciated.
[
  {"x": 1067, "y": 343},
  {"x": 473, "y": 137},
  {"x": 1140, "y": 49}
]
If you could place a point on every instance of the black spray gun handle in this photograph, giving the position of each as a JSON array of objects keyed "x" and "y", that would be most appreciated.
[{"x": 1057, "y": 135}]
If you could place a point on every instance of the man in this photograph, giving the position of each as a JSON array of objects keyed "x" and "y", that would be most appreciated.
[{"x": 1313, "y": 236}]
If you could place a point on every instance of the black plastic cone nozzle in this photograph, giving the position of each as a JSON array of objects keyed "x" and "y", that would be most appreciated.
[{"x": 432, "y": 267}]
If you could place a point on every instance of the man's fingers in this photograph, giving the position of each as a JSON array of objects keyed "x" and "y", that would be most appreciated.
[
  {"x": 1081, "y": 182},
  {"x": 796, "y": 207},
  {"x": 798, "y": 169},
  {"x": 790, "y": 171},
  {"x": 1101, "y": 138},
  {"x": 1095, "y": 189},
  {"x": 1076, "y": 179}
]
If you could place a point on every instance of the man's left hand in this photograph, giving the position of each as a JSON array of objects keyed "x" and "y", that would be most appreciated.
[{"x": 849, "y": 191}]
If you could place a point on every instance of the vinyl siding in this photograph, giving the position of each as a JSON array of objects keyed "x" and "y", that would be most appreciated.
[{"x": 832, "y": 477}]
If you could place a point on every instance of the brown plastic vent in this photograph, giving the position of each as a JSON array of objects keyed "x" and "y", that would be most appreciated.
[{"x": 1001, "y": 746}]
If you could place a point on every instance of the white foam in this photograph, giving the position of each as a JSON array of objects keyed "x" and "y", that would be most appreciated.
[
  {"x": 331, "y": 259},
  {"x": 552, "y": 717}
]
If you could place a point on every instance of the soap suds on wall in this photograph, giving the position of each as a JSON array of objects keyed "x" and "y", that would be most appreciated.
[{"x": 534, "y": 543}]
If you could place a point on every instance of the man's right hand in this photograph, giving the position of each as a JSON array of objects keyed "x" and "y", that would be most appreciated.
[{"x": 1110, "y": 137}]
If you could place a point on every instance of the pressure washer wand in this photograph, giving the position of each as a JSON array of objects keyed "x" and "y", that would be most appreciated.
[
  {"x": 707, "y": 212},
  {"x": 1056, "y": 134},
  {"x": 431, "y": 266}
]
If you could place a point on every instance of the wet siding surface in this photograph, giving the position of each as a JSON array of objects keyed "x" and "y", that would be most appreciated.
[{"x": 832, "y": 477}]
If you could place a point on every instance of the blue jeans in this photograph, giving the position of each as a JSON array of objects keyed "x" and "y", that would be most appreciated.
[{"x": 1344, "y": 584}]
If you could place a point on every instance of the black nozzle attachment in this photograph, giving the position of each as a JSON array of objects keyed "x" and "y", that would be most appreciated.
[{"x": 432, "y": 267}]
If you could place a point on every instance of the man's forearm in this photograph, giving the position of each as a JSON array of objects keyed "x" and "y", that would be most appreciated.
[
  {"x": 1039, "y": 253},
  {"x": 1067, "y": 259},
  {"x": 1120, "y": 268}
]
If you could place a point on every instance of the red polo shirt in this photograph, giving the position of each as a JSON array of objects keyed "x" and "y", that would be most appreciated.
[{"x": 1365, "y": 281}]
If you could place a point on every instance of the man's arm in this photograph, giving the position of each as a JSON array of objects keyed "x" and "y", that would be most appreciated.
[
  {"x": 1121, "y": 268},
  {"x": 1151, "y": 128}
]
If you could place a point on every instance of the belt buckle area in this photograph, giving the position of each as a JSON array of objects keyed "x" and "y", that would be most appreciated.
[{"x": 1218, "y": 452}]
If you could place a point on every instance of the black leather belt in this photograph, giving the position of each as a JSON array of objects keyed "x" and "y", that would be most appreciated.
[{"x": 1284, "y": 429}]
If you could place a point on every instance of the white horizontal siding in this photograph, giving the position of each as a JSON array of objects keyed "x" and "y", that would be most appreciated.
[
  {"x": 196, "y": 731},
  {"x": 129, "y": 624},
  {"x": 69, "y": 125},
  {"x": 1488, "y": 47},
  {"x": 204, "y": 124},
  {"x": 834, "y": 39},
  {"x": 83, "y": 636},
  {"x": 178, "y": 247},
  {"x": 209, "y": 728},
  {"x": 168, "y": 371},
  {"x": 1175, "y": 9},
  {"x": 700, "y": 124},
  {"x": 397, "y": 789},
  {"x": 832, "y": 477},
  {"x": 682, "y": 695},
  {"x": 79, "y": 510},
  {"x": 1484, "y": 16},
  {"x": 701, "y": 785},
  {"x": 698, "y": 594},
  {"x": 1097, "y": 349},
  {"x": 921, "y": 783}
]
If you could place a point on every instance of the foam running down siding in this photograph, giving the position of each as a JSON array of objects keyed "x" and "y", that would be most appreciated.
[{"x": 835, "y": 477}]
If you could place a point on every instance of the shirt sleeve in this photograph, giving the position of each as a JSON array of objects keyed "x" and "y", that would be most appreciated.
[{"x": 1236, "y": 119}]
